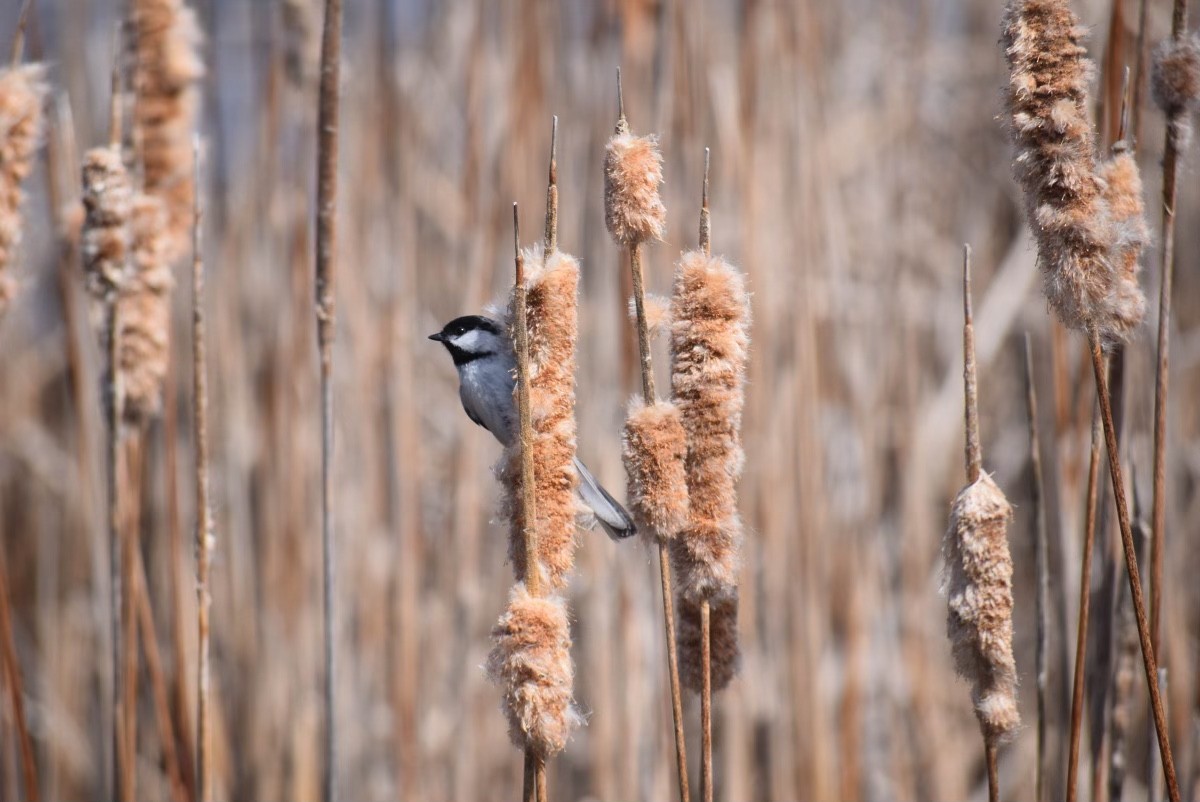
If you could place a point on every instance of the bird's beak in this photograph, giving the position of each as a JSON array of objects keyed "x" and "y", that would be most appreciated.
[{"x": 439, "y": 337}]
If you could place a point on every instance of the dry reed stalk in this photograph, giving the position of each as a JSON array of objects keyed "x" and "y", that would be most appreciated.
[
  {"x": 1085, "y": 595},
  {"x": 634, "y": 213},
  {"x": 1176, "y": 88},
  {"x": 22, "y": 93},
  {"x": 979, "y": 575},
  {"x": 204, "y": 525},
  {"x": 1088, "y": 225},
  {"x": 1042, "y": 570},
  {"x": 168, "y": 68},
  {"x": 1124, "y": 674},
  {"x": 16, "y": 692},
  {"x": 326, "y": 300}
]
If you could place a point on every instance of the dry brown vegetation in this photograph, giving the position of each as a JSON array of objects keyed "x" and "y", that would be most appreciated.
[{"x": 856, "y": 145}]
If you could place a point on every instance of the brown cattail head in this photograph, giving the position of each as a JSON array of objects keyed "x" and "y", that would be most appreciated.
[
  {"x": 658, "y": 314},
  {"x": 709, "y": 343},
  {"x": 144, "y": 312},
  {"x": 167, "y": 44},
  {"x": 979, "y": 591},
  {"x": 108, "y": 204},
  {"x": 531, "y": 663},
  {"x": 655, "y": 448},
  {"x": 552, "y": 287},
  {"x": 1175, "y": 81},
  {"x": 633, "y": 210},
  {"x": 725, "y": 656},
  {"x": 1125, "y": 308},
  {"x": 1056, "y": 165},
  {"x": 22, "y": 91}
]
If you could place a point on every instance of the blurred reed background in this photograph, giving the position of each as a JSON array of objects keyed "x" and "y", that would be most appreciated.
[{"x": 856, "y": 146}]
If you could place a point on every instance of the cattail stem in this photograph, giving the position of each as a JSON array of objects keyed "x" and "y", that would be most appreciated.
[
  {"x": 1085, "y": 595},
  {"x": 1039, "y": 514},
  {"x": 534, "y": 765},
  {"x": 203, "y": 507},
  {"x": 974, "y": 457},
  {"x": 326, "y": 273},
  {"x": 1158, "y": 508},
  {"x": 18, "y": 43},
  {"x": 551, "y": 235},
  {"x": 1135, "y": 584},
  {"x": 706, "y": 772},
  {"x": 974, "y": 452},
  {"x": 16, "y": 691}
]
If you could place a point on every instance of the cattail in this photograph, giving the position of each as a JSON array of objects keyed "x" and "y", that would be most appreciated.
[
  {"x": 655, "y": 447},
  {"x": 552, "y": 287},
  {"x": 167, "y": 43},
  {"x": 979, "y": 587},
  {"x": 1080, "y": 244},
  {"x": 633, "y": 210},
  {"x": 108, "y": 206},
  {"x": 531, "y": 662},
  {"x": 724, "y": 655},
  {"x": 22, "y": 90},
  {"x": 1175, "y": 82},
  {"x": 530, "y": 658},
  {"x": 144, "y": 312},
  {"x": 1125, "y": 307},
  {"x": 657, "y": 310},
  {"x": 709, "y": 343}
]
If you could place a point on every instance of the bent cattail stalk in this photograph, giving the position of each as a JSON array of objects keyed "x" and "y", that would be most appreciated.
[
  {"x": 22, "y": 91},
  {"x": 166, "y": 39},
  {"x": 1081, "y": 239},
  {"x": 144, "y": 312}
]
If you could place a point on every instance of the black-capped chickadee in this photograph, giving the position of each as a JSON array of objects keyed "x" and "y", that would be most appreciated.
[{"x": 483, "y": 354}]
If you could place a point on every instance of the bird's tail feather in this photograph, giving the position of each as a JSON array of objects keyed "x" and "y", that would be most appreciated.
[{"x": 608, "y": 511}]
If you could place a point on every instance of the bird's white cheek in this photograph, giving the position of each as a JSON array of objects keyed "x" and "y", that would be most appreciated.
[{"x": 468, "y": 341}]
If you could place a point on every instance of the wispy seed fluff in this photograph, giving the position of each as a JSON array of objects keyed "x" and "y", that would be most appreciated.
[
  {"x": 1125, "y": 306},
  {"x": 1175, "y": 82},
  {"x": 552, "y": 287},
  {"x": 979, "y": 591},
  {"x": 531, "y": 662},
  {"x": 1080, "y": 246},
  {"x": 108, "y": 205},
  {"x": 658, "y": 313},
  {"x": 633, "y": 210},
  {"x": 655, "y": 448},
  {"x": 167, "y": 43},
  {"x": 144, "y": 312},
  {"x": 22, "y": 91},
  {"x": 709, "y": 342},
  {"x": 725, "y": 656}
]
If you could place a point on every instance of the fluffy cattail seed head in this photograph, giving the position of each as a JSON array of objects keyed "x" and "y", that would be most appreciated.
[
  {"x": 1079, "y": 245},
  {"x": 1125, "y": 307},
  {"x": 633, "y": 210},
  {"x": 979, "y": 591},
  {"x": 108, "y": 204},
  {"x": 531, "y": 663},
  {"x": 725, "y": 656},
  {"x": 709, "y": 344},
  {"x": 658, "y": 313},
  {"x": 552, "y": 287},
  {"x": 1175, "y": 76},
  {"x": 168, "y": 70},
  {"x": 22, "y": 90},
  {"x": 655, "y": 447},
  {"x": 144, "y": 312}
]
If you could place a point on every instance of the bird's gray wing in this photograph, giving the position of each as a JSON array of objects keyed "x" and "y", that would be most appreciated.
[{"x": 611, "y": 515}]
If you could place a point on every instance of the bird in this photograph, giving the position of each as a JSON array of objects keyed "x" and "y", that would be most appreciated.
[{"x": 483, "y": 355}]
